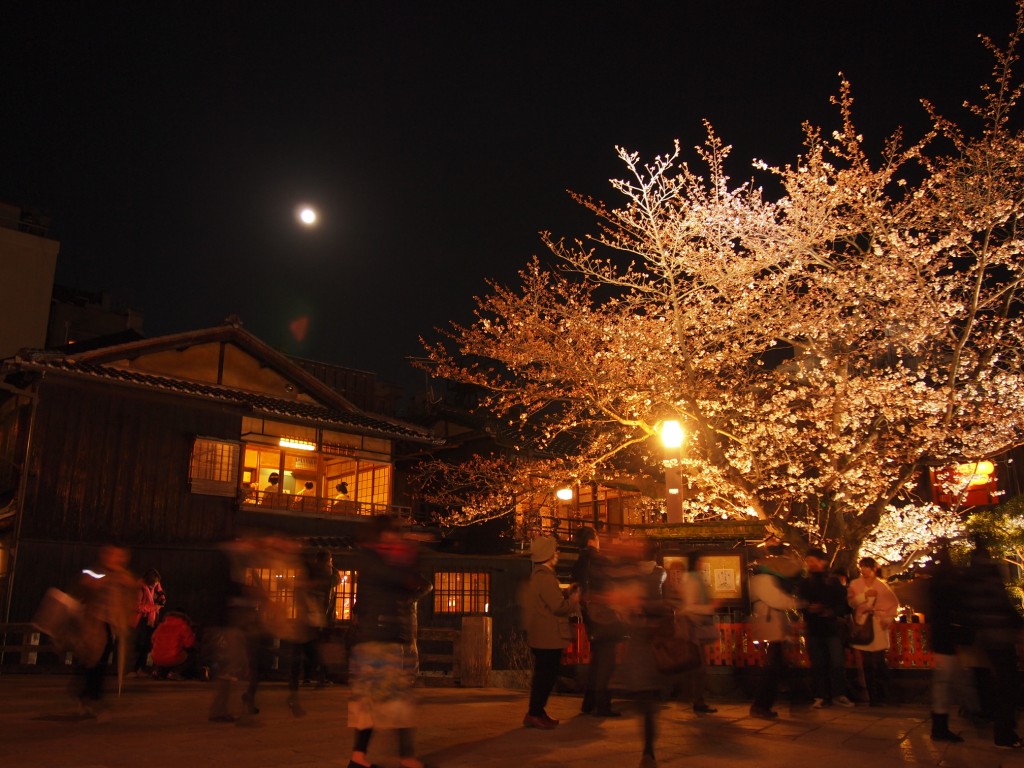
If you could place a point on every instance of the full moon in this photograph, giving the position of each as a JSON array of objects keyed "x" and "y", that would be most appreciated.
[{"x": 307, "y": 216}]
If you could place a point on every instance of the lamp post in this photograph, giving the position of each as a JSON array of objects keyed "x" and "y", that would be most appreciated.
[{"x": 672, "y": 439}]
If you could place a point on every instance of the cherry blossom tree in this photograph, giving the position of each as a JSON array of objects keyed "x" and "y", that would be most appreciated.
[{"x": 822, "y": 346}]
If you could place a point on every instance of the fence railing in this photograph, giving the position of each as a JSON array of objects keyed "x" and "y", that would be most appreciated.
[
  {"x": 909, "y": 648},
  {"x": 317, "y": 506}
]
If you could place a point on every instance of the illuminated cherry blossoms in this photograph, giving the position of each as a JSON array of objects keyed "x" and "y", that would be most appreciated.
[{"x": 822, "y": 346}]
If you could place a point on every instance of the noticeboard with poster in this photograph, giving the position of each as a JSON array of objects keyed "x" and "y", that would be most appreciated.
[{"x": 722, "y": 574}]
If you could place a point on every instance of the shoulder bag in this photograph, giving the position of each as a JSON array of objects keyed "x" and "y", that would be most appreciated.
[
  {"x": 673, "y": 653},
  {"x": 862, "y": 633}
]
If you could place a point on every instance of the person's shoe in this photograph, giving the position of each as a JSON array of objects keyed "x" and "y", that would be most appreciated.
[
  {"x": 541, "y": 723},
  {"x": 1015, "y": 744},
  {"x": 843, "y": 701},
  {"x": 763, "y": 713},
  {"x": 249, "y": 705},
  {"x": 588, "y": 703},
  {"x": 704, "y": 709},
  {"x": 551, "y": 720},
  {"x": 818, "y": 704},
  {"x": 296, "y": 707}
]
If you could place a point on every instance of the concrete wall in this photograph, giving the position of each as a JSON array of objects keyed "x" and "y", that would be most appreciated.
[{"x": 27, "y": 265}]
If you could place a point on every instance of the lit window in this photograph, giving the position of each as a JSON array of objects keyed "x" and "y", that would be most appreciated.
[
  {"x": 278, "y": 584},
  {"x": 345, "y": 596},
  {"x": 462, "y": 592},
  {"x": 213, "y": 469}
]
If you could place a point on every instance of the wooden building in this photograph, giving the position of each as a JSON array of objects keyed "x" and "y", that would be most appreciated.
[{"x": 166, "y": 446}]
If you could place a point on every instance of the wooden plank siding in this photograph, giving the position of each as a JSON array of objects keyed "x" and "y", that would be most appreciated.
[
  {"x": 116, "y": 466},
  {"x": 195, "y": 577}
]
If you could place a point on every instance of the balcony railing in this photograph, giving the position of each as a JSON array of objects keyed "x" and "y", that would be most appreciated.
[{"x": 319, "y": 506}]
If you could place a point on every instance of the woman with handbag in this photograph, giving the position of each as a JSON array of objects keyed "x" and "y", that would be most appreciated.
[
  {"x": 874, "y": 605},
  {"x": 546, "y": 611}
]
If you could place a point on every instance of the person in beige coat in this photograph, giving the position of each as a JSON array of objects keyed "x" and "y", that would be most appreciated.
[
  {"x": 772, "y": 603},
  {"x": 546, "y": 611},
  {"x": 872, "y": 600}
]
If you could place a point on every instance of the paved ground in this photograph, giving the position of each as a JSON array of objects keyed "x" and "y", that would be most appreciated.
[{"x": 163, "y": 724}]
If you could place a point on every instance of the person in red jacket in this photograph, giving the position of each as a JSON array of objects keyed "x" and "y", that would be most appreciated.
[{"x": 174, "y": 647}]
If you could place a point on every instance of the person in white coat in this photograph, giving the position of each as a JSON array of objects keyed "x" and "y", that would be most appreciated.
[
  {"x": 872, "y": 600},
  {"x": 771, "y": 601}
]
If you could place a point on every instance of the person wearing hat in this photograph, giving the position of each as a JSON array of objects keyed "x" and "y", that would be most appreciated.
[
  {"x": 546, "y": 610},
  {"x": 824, "y": 607},
  {"x": 771, "y": 600}
]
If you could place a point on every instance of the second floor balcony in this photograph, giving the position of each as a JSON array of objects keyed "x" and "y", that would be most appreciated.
[{"x": 303, "y": 505}]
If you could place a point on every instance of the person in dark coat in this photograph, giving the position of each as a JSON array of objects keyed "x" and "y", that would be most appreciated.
[
  {"x": 946, "y": 623},
  {"x": 997, "y": 631},
  {"x": 381, "y": 676},
  {"x": 823, "y": 599},
  {"x": 647, "y": 684},
  {"x": 591, "y": 575}
]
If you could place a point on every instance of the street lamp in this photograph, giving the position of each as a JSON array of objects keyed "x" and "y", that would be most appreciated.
[{"x": 672, "y": 440}]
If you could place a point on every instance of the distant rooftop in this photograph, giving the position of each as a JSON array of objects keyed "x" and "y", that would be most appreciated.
[{"x": 26, "y": 220}]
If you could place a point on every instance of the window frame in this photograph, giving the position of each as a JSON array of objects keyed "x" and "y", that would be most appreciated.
[{"x": 216, "y": 476}]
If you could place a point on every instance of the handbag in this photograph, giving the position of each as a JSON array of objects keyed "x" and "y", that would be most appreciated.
[
  {"x": 703, "y": 629},
  {"x": 603, "y": 622},
  {"x": 862, "y": 633},
  {"x": 672, "y": 653}
]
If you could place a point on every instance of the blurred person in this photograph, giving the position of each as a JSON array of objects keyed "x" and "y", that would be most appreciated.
[
  {"x": 945, "y": 611},
  {"x": 545, "y": 615},
  {"x": 174, "y": 651},
  {"x": 237, "y": 641},
  {"x": 996, "y": 626},
  {"x": 591, "y": 576},
  {"x": 283, "y": 615},
  {"x": 648, "y": 611},
  {"x": 825, "y": 608},
  {"x": 107, "y": 593},
  {"x": 687, "y": 593},
  {"x": 150, "y": 599},
  {"x": 771, "y": 603},
  {"x": 320, "y": 596},
  {"x": 300, "y": 635},
  {"x": 381, "y": 676},
  {"x": 872, "y": 600}
]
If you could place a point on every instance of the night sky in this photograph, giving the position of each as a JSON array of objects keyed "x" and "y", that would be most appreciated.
[{"x": 170, "y": 142}]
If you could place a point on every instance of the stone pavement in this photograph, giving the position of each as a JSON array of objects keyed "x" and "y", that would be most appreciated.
[{"x": 162, "y": 724}]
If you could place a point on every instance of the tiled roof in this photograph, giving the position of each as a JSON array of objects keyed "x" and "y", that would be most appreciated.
[{"x": 257, "y": 403}]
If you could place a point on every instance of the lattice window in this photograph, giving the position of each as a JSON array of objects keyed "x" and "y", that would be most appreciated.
[
  {"x": 279, "y": 586},
  {"x": 214, "y": 467},
  {"x": 462, "y": 592},
  {"x": 345, "y": 596}
]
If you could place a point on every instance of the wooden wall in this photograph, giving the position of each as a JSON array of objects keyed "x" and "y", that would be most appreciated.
[{"x": 112, "y": 464}]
